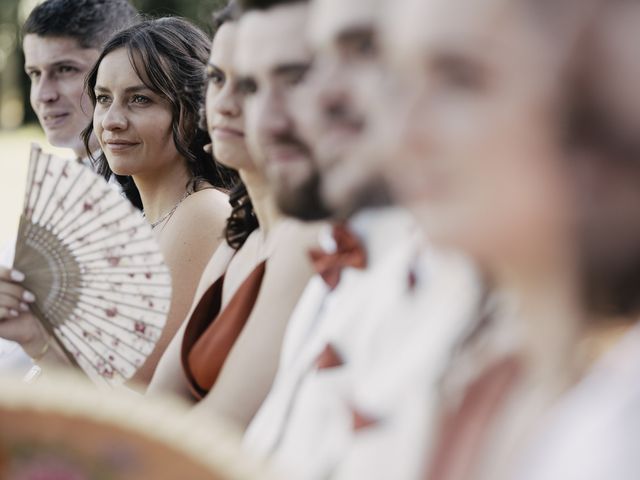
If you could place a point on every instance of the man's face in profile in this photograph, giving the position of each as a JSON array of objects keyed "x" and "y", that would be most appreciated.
[
  {"x": 334, "y": 113},
  {"x": 272, "y": 60},
  {"x": 57, "y": 67}
]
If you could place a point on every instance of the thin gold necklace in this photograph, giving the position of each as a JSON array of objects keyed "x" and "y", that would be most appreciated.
[{"x": 167, "y": 215}]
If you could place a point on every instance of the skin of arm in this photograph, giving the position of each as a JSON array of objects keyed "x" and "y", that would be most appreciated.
[
  {"x": 251, "y": 366},
  {"x": 169, "y": 376},
  {"x": 187, "y": 242}
]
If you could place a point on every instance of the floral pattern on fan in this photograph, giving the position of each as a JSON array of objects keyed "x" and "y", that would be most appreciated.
[{"x": 102, "y": 288}]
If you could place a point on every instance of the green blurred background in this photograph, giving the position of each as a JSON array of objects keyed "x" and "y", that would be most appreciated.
[{"x": 18, "y": 124}]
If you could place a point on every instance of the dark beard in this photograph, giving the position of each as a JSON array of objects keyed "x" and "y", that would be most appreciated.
[
  {"x": 611, "y": 284},
  {"x": 373, "y": 195},
  {"x": 303, "y": 202}
]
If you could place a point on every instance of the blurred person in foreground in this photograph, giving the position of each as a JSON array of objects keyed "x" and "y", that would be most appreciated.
[
  {"x": 61, "y": 42},
  {"x": 481, "y": 161},
  {"x": 593, "y": 432},
  {"x": 310, "y": 120}
]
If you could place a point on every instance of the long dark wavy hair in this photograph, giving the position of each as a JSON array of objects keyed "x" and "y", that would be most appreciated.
[
  {"x": 170, "y": 56},
  {"x": 242, "y": 220}
]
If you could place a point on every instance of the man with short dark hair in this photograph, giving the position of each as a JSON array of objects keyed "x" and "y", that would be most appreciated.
[
  {"x": 270, "y": 79},
  {"x": 62, "y": 41},
  {"x": 310, "y": 122}
]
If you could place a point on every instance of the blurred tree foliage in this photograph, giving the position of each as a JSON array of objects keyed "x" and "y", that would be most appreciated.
[
  {"x": 14, "y": 84},
  {"x": 197, "y": 10}
]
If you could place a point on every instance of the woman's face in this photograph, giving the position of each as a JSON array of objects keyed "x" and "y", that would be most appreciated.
[
  {"x": 132, "y": 123},
  {"x": 475, "y": 156},
  {"x": 225, "y": 118}
]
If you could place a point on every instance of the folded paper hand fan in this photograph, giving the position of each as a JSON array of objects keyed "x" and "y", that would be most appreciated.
[
  {"x": 102, "y": 288},
  {"x": 63, "y": 428}
]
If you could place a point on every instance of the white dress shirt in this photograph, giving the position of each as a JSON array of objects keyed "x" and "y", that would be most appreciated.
[
  {"x": 594, "y": 431},
  {"x": 305, "y": 422},
  {"x": 400, "y": 365}
]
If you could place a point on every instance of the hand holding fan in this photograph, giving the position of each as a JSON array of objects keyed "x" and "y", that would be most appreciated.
[{"x": 102, "y": 289}]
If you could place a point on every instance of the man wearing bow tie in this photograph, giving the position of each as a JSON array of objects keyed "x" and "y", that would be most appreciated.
[{"x": 310, "y": 123}]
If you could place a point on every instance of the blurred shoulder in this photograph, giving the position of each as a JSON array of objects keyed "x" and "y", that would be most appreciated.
[{"x": 297, "y": 235}]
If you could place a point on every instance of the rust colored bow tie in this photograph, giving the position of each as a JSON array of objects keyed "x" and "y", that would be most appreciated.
[{"x": 349, "y": 252}]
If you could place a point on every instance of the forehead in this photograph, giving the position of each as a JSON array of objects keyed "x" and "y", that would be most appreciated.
[
  {"x": 224, "y": 44},
  {"x": 614, "y": 61},
  {"x": 268, "y": 39},
  {"x": 482, "y": 24},
  {"x": 330, "y": 18},
  {"x": 42, "y": 51},
  {"x": 115, "y": 68}
]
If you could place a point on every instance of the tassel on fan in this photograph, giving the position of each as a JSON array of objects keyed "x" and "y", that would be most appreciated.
[{"x": 102, "y": 288}]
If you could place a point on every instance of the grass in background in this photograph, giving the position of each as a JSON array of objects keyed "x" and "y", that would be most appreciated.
[{"x": 15, "y": 146}]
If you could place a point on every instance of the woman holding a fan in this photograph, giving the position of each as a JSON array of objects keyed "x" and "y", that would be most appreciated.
[{"x": 147, "y": 91}]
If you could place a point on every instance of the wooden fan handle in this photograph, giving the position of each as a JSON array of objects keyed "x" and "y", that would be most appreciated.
[{"x": 49, "y": 329}]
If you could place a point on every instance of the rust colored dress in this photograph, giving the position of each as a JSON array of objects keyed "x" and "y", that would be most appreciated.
[{"x": 212, "y": 331}]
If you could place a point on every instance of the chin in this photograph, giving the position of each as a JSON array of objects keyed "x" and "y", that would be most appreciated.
[
  {"x": 60, "y": 141},
  {"x": 231, "y": 156}
]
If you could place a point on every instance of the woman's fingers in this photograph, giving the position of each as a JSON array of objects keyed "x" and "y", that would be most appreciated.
[
  {"x": 23, "y": 328},
  {"x": 12, "y": 303},
  {"x": 11, "y": 275},
  {"x": 7, "y": 312},
  {"x": 9, "y": 287}
]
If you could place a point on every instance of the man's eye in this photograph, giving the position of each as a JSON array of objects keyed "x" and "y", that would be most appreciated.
[
  {"x": 67, "y": 69},
  {"x": 460, "y": 73},
  {"x": 247, "y": 87},
  {"x": 296, "y": 77},
  {"x": 33, "y": 75},
  {"x": 364, "y": 46}
]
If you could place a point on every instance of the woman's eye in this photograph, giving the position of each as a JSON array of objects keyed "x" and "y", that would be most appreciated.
[
  {"x": 102, "y": 99},
  {"x": 216, "y": 79},
  {"x": 140, "y": 100}
]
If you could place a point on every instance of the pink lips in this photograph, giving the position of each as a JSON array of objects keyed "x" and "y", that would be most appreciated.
[
  {"x": 120, "y": 145},
  {"x": 54, "y": 119},
  {"x": 226, "y": 133}
]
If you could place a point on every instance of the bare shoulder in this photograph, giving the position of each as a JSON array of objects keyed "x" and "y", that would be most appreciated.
[
  {"x": 291, "y": 253},
  {"x": 205, "y": 205},
  {"x": 196, "y": 229},
  {"x": 297, "y": 236}
]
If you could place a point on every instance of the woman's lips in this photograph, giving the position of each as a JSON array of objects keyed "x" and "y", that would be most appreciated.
[
  {"x": 226, "y": 133},
  {"x": 120, "y": 146}
]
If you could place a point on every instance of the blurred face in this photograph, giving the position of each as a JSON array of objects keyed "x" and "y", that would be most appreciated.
[
  {"x": 132, "y": 123},
  {"x": 272, "y": 59},
  {"x": 225, "y": 117},
  {"x": 608, "y": 176},
  {"x": 474, "y": 157},
  {"x": 334, "y": 115},
  {"x": 57, "y": 67}
]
